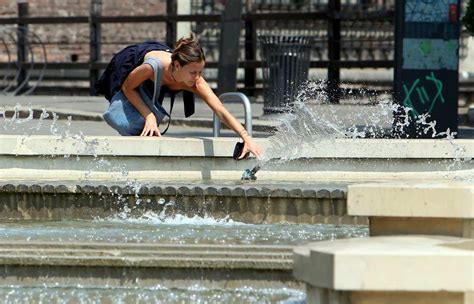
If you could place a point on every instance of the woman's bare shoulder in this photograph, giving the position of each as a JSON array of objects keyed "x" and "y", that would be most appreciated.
[{"x": 165, "y": 57}]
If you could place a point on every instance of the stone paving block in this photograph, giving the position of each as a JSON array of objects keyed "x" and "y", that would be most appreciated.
[
  {"x": 143, "y": 190},
  {"x": 22, "y": 188},
  {"x": 337, "y": 194},
  {"x": 169, "y": 191},
  {"x": 102, "y": 189},
  {"x": 47, "y": 189},
  {"x": 155, "y": 190},
  {"x": 225, "y": 191},
  {"x": 86, "y": 189},
  {"x": 210, "y": 191},
  {"x": 35, "y": 188},
  {"x": 8, "y": 188},
  {"x": 183, "y": 190},
  {"x": 278, "y": 193},
  {"x": 197, "y": 191},
  {"x": 265, "y": 191},
  {"x": 238, "y": 192},
  {"x": 309, "y": 193},
  {"x": 323, "y": 193},
  {"x": 116, "y": 189},
  {"x": 61, "y": 189},
  {"x": 252, "y": 192},
  {"x": 294, "y": 193}
]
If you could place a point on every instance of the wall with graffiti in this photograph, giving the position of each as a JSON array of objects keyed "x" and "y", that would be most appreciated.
[{"x": 426, "y": 76}]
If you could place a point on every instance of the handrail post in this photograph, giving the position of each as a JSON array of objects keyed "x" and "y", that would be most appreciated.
[
  {"x": 250, "y": 75},
  {"x": 171, "y": 28},
  {"x": 22, "y": 41},
  {"x": 228, "y": 65},
  {"x": 334, "y": 50},
  {"x": 95, "y": 41},
  {"x": 250, "y": 47},
  {"x": 236, "y": 96}
]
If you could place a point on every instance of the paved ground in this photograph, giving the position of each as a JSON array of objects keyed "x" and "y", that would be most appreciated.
[
  {"x": 87, "y": 117},
  {"x": 101, "y": 128},
  {"x": 87, "y": 112}
]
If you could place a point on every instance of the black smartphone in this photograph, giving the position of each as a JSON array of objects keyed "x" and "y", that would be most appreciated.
[{"x": 238, "y": 150}]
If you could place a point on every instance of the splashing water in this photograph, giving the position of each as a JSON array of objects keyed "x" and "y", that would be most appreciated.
[
  {"x": 63, "y": 132},
  {"x": 15, "y": 122},
  {"x": 178, "y": 229},
  {"x": 164, "y": 218},
  {"x": 312, "y": 119}
]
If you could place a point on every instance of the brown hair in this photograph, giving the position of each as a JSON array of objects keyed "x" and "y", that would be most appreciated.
[{"x": 187, "y": 50}]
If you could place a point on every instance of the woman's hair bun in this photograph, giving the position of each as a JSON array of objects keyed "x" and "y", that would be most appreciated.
[
  {"x": 187, "y": 50},
  {"x": 192, "y": 39}
]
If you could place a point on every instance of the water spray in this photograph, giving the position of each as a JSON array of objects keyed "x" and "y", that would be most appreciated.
[{"x": 249, "y": 174}]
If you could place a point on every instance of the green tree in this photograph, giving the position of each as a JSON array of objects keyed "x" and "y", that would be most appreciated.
[{"x": 468, "y": 19}]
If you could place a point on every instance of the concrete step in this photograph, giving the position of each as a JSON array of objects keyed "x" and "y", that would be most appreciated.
[
  {"x": 146, "y": 255},
  {"x": 124, "y": 265}
]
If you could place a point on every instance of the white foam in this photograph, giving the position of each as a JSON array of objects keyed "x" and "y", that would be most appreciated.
[{"x": 154, "y": 218}]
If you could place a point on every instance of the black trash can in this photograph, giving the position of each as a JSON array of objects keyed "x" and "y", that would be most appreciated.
[{"x": 286, "y": 62}]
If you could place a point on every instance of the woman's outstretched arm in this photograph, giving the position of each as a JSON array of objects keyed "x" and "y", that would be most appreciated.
[{"x": 203, "y": 89}]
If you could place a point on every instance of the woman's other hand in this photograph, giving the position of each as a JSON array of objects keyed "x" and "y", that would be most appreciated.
[
  {"x": 251, "y": 146},
  {"x": 150, "y": 128}
]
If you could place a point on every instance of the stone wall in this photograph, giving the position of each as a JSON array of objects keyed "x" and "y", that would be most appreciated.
[{"x": 70, "y": 42}]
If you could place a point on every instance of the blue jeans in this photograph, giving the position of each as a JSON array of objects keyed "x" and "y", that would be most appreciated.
[{"x": 123, "y": 116}]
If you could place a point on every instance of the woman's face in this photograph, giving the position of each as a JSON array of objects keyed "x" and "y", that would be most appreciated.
[{"x": 191, "y": 72}]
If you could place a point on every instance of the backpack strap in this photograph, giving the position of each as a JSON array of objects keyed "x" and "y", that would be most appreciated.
[{"x": 156, "y": 104}]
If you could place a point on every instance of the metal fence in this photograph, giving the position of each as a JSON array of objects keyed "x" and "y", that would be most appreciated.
[
  {"x": 358, "y": 39},
  {"x": 342, "y": 32}
]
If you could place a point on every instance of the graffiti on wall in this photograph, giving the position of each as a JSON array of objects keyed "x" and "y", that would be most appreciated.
[{"x": 423, "y": 94}]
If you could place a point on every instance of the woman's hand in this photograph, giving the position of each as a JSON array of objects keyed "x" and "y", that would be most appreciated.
[
  {"x": 150, "y": 128},
  {"x": 252, "y": 147}
]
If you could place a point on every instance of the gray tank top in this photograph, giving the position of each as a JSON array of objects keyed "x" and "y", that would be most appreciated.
[{"x": 153, "y": 102}]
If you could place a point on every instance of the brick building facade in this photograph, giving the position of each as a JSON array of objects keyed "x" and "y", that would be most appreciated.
[{"x": 70, "y": 42}]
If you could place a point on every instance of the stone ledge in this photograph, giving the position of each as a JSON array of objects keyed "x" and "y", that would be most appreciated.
[
  {"x": 409, "y": 263},
  {"x": 223, "y": 147},
  {"x": 437, "y": 199},
  {"x": 250, "y": 203},
  {"x": 148, "y": 277},
  {"x": 167, "y": 188},
  {"x": 146, "y": 255}
]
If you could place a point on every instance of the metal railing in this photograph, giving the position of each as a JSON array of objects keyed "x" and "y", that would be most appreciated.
[{"x": 234, "y": 96}]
